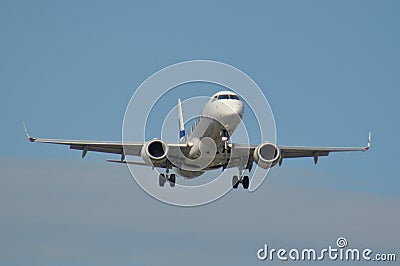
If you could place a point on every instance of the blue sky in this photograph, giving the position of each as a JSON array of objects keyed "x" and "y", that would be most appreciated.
[{"x": 330, "y": 70}]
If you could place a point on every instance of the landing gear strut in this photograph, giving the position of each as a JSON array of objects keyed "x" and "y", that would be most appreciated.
[
  {"x": 245, "y": 181},
  {"x": 171, "y": 180},
  {"x": 161, "y": 180}
]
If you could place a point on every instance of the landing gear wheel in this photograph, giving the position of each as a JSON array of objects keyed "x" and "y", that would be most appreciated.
[
  {"x": 235, "y": 182},
  {"x": 172, "y": 180},
  {"x": 161, "y": 180},
  {"x": 245, "y": 182}
]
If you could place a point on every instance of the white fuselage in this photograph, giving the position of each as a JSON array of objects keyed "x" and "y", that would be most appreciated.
[{"x": 210, "y": 133}]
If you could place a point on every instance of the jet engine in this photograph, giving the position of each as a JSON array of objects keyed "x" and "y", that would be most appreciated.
[
  {"x": 266, "y": 155},
  {"x": 154, "y": 152}
]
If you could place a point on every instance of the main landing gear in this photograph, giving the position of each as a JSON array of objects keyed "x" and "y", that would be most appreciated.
[
  {"x": 244, "y": 180},
  {"x": 163, "y": 178}
]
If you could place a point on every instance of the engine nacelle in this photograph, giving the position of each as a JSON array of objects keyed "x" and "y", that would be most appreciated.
[
  {"x": 154, "y": 152},
  {"x": 267, "y": 155}
]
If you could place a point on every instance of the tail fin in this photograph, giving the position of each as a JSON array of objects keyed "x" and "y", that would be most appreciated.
[{"x": 181, "y": 122}]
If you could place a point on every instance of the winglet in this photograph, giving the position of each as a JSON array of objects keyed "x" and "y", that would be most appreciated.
[
  {"x": 369, "y": 142},
  {"x": 27, "y": 134}
]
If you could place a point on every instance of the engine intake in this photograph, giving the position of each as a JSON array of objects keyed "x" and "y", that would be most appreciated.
[
  {"x": 266, "y": 155},
  {"x": 154, "y": 152}
]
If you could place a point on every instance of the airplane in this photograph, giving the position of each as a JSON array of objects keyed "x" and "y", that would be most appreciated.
[{"x": 193, "y": 154}]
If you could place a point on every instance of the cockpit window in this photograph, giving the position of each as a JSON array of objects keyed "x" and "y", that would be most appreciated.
[
  {"x": 223, "y": 97},
  {"x": 226, "y": 97}
]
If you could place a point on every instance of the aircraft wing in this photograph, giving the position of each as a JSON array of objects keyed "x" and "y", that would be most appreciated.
[
  {"x": 242, "y": 151},
  {"x": 98, "y": 146},
  {"x": 90, "y": 145},
  {"x": 309, "y": 151},
  {"x": 114, "y": 147}
]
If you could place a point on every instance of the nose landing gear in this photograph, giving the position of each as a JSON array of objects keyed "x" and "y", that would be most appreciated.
[{"x": 225, "y": 135}]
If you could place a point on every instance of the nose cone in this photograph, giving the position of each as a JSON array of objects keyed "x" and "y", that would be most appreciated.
[
  {"x": 231, "y": 114},
  {"x": 226, "y": 109},
  {"x": 234, "y": 108}
]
